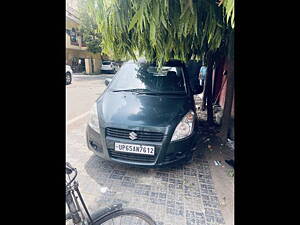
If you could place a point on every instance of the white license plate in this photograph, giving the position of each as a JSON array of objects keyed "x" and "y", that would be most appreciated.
[{"x": 138, "y": 149}]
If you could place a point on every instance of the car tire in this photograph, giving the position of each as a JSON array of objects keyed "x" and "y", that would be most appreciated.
[{"x": 68, "y": 78}]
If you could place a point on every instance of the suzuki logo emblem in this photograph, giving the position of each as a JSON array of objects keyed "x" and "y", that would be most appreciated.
[{"x": 132, "y": 135}]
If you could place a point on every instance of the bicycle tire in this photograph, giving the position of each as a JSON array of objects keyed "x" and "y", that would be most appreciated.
[{"x": 125, "y": 212}]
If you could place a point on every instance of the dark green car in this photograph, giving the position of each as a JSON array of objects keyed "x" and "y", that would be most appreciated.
[{"x": 145, "y": 117}]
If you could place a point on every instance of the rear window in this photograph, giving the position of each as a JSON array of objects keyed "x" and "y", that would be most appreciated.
[
  {"x": 106, "y": 63},
  {"x": 146, "y": 76}
]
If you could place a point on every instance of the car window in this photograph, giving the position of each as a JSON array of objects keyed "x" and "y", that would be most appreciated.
[
  {"x": 106, "y": 63},
  {"x": 146, "y": 76}
]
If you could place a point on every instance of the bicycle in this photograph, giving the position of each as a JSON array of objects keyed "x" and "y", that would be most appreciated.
[{"x": 108, "y": 215}]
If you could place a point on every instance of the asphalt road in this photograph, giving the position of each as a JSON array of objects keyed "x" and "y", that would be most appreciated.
[
  {"x": 80, "y": 96},
  {"x": 82, "y": 93}
]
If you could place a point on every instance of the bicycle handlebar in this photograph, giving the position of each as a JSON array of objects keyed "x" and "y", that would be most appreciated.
[
  {"x": 69, "y": 166},
  {"x": 69, "y": 170}
]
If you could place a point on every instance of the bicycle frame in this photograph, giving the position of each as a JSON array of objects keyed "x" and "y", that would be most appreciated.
[
  {"x": 76, "y": 189},
  {"x": 72, "y": 195},
  {"x": 75, "y": 211}
]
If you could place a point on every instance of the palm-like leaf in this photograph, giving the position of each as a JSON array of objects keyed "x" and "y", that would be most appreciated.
[{"x": 161, "y": 29}]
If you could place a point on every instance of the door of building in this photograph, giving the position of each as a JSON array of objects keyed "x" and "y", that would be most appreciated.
[
  {"x": 74, "y": 65},
  {"x": 81, "y": 65},
  {"x": 92, "y": 65}
]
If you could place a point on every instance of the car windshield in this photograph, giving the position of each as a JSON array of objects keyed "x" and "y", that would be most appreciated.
[
  {"x": 106, "y": 63},
  {"x": 149, "y": 79}
]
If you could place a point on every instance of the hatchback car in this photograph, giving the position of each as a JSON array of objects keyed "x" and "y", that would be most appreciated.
[
  {"x": 145, "y": 117},
  {"x": 108, "y": 66}
]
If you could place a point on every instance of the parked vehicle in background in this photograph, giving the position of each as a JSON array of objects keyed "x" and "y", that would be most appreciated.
[
  {"x": 69, "y": 74},
  {"x": 109, "y": 66},
  {"x": 145, "y": 117}
]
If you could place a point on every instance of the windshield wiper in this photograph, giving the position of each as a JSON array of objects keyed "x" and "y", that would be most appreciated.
[
  {"x": 169, "y": 93},
  {"x": 139, "y": 90},
  {"x": 149, "y": 92}
]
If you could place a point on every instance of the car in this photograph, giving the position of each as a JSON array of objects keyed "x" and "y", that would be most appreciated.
[
  {"x": 69, "y": 74},
  {"x": 108, "y": 66},
  {"x": 145, "y": 117}
]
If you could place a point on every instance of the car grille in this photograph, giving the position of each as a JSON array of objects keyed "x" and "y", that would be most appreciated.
[
  {"x": 141, "y": 135},
  {"x": 131, "y": 156}
]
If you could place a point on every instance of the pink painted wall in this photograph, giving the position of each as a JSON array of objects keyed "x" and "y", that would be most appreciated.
[{"x": 223, "y": 93}]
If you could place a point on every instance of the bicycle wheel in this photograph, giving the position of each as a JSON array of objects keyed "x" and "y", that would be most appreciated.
[{"x": 125, "y": 217}]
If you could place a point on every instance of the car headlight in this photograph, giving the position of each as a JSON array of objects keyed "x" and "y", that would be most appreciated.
[
  {"x": 185, "y": 127},
  {"x": 94, "y": 121}
]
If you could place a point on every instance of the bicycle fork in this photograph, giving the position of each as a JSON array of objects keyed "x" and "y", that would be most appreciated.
[
  {"x": 72, "y": 208},
  {"x": 82, "y": 202}
]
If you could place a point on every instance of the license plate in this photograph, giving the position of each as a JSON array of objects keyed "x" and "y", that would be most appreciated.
[{"x": 138, "y": 149}]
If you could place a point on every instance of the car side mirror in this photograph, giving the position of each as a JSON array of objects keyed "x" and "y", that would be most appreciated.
[{"x": 107, "y": 81}]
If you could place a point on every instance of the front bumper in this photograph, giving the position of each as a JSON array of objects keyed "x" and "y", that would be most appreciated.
[
  {"x": 166, "y": 153},
  {"x": 107, "y": 69}
]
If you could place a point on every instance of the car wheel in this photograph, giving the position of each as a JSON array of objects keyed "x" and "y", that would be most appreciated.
[{"x": 68, "y": 78}]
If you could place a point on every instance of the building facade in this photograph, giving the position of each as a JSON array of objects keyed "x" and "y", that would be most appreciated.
[{"x": 77, "y": 56}]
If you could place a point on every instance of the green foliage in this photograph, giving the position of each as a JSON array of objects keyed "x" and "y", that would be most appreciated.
[
  {"x": 160, "y": 29},
  {"x": 228, "y": 6},
  {"x": 229, "y": 10},
  {"x": 89, "y": 29}
]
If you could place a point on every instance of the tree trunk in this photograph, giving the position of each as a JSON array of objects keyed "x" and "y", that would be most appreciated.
[
  {"x": 229, "y": 91},
  {"x": 208, "y": 89}
]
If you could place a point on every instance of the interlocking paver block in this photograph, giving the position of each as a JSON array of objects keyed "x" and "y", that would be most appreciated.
[{"x": 173, "y": 196}]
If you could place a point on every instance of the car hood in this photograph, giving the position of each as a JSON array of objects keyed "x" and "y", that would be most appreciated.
[{"x": 129, "y": 110}]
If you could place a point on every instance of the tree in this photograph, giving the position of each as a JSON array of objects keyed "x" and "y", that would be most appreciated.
[
  {"x": 89, "y": 29},
  {"x": 229, "y": 90},
  {"x": 159, "y": 29},
  {"x": 162, "y": 30},
  {"x": 228, "y": 6}
]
